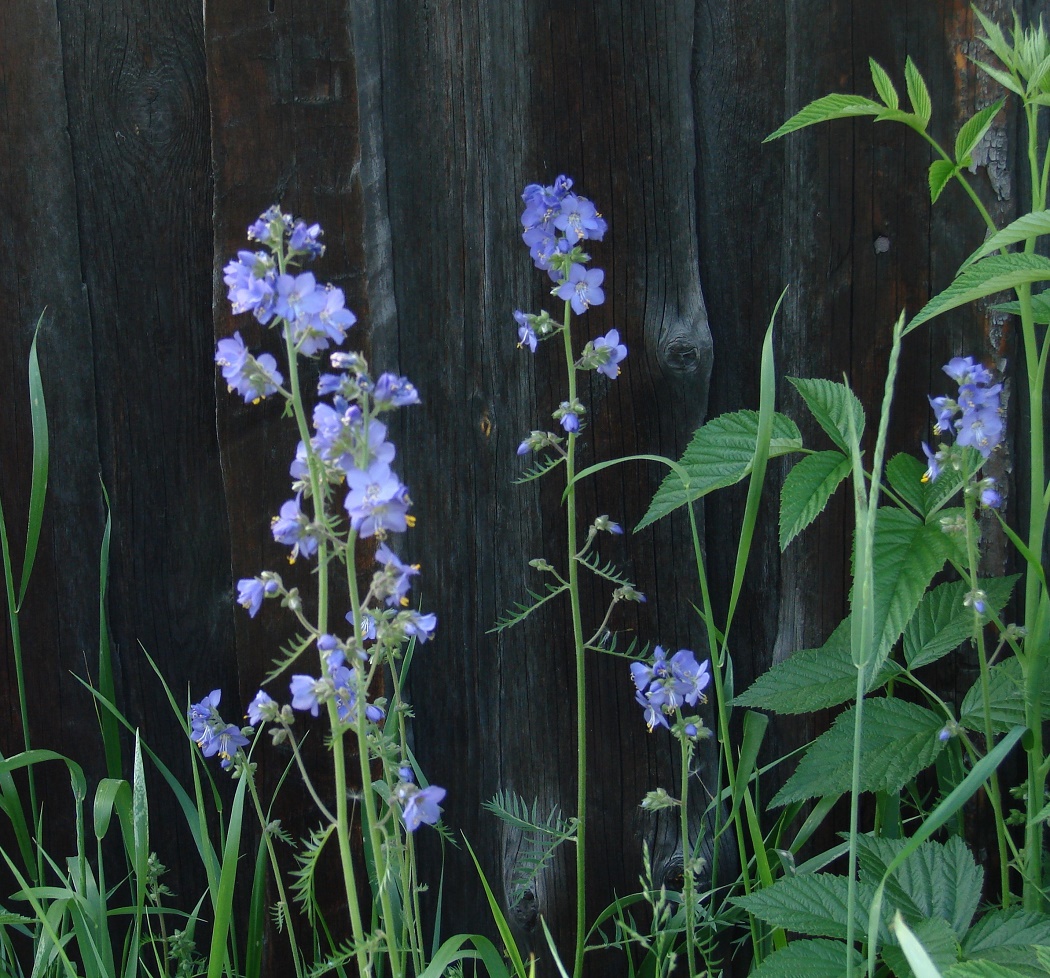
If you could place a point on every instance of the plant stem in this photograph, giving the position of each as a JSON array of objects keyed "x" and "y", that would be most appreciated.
[
  {"x": 581, "y": 672},
  {"x": 688, "y": 882}
]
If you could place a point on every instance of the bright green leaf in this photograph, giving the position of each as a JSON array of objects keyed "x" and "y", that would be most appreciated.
[
  {"x": 941, "y": 171},
  {"x": 934, "y": 936},
  {"x": 986, "y": 277},
  {"x": 904, "y": 473},
  {"x": 973, "y": 132},
  {"x": 1003, "y": 78},
  {"x": 1025, "y": 228},
  {"x": 883, "y": 85},
  {"x": 918, "y": 93},
  {"x": 1005, "y": 698},
  {"x": 831, "y": 404},
  {"x": 720, "y": 454},
  {"x": 942, "y": 622},
  {"x": 806, "y": 491},
  {"x": 825, "y": 109},
  {"x": 900, "y": 740},
  {"x": 1040, "y": 307}
]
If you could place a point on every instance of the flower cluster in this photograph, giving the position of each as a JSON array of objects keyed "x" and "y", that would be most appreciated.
[
  {"x": 664, "y": 686},
  {"x": 211, "y": 733},
  {"x": 347, "y": 459},
  {"x": 973, "y": 416},
  {"x": 555, "y": 222}
]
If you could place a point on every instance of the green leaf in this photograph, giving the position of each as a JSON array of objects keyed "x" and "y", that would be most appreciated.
[
  {"x": 934, "y": 937},
  {"x": 907, "y": 553},
  {"x": 814, "y": 959},
  {"x": 806, "y": 491},
  {"x": 883, "y": 85},
  {"x": 973, "y": 132},
  {"x": 995, "y": 41},
  {"x": 1005, "y": 698},
  {"x": 918, "y": 93},
  {"x": 985, "y": 277},
  {"x": 1040, "y": 307},
  {"x": 936, "y": 880},
  {"x": 1006, "y": 80},
  {"x": 989, "y": 969},
  {"x": 41, "y": 456},
  {"x": 812, "y": 679},
  {"x": 904, "y": 473},
  {"x": 831, "y": 404},
  {"x": 814, "y": 904},
  {"x": 899, "y": 740},
  {"x": 1008, "y": 937},
  {"x": 824, "y": 110},
  {"x": 1025, "y": 228},
  {"x": 941, "y": 171},
  {"x": 942, "y": 623},
  {"x": 720, "y": 454}
]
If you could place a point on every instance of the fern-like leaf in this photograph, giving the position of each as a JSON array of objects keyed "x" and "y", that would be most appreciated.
[
  {"x": 289, "y": 653},
  {"x": 521, "y": 611},
  {"x": 607, "y": 571},
  {"x": 540, "y": 838},
  {"x": 539, "y": 468},
  {"x": 303, "y": 876}
]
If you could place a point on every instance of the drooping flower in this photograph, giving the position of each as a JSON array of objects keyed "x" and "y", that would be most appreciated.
[
  {"x": 252, "y": 590},
  {"x": 399, "y": 573},
  {"x": 665, "y": 685},
  {"x": 252, "y": 377},
  {"x": 422, "y": 806},
  {"x": 262, "y": 709},
  {"x": 616, "y": 353},
  {"x": 211, "y": 733},
  {"x": 293, "y": 528},
  {"x": 526, "y": 334}
]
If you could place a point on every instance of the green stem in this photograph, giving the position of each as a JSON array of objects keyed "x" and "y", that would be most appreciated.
[
  {"x": 581, "y": 672},
  {"x": 989, "y": 734},
  {"x": 688, "y": 882},
  {"x": 854, "y": 825}
]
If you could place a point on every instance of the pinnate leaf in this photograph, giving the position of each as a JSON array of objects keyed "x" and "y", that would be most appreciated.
[
  {"x": 883, "y": 85},
  {"x": 983, "y": 278},
  {"x": 941, "y": 171},
  {"x": 720, "y": 454},
  {"x": 831, "y": 404},
  {"x": 807, "y": 489},
  {"x": 1027, "y": 227},
  {"x": 825, "y": 109},
  {"x": 1040, "y": 307},
  {"x": 899, "y": 740}
]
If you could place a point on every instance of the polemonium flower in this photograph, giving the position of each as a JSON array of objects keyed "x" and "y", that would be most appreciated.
[
  {"x": 526, "y": 334},
  {"x": 578, "y": 219},
  {"x": 293, "y": 529},
  {"x": 582, "y": 289},
  {"x": 252, "y": 590},
  {"x": 394, "y": 391},
  {"x": 262, "y": 709},
  {"x": 251, "y": 278},
  {"x": 307, "y": 693},
  {"x": 305, "y": 239},
  {"x": 965, "y": 370},
  {"x": 252, "y": 377},
  {"x": 376, "y": 501},
  {"x": 612, "y": 352},
  {"x": 422, "y": 806},
  {"x": 400, "y": 575},
  {"x": 211, "y": 733},
  {"x": 420, "y": 627}
]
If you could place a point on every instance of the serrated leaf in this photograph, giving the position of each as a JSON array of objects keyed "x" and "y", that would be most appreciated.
[
  {"x": 831, "y": 404},
  {"x": 812, "y": 679},
  {"x": 942, "y": 622},
  {"x": 883, "y": 85},
  {"x": 825, "y": 109},
  {"x": 936, "y": 938},
  {"x": 941, "y": 171},
  {"x": 995, "y": 41},
  {"x": 819, "y": 958},
  {"x": 813, "y": 904},
  {"x": 1028, "y": 227},
  {"x": 1008, "y": 937},
  {"x": 899, "y": 740},
  {"x": 985, "y": 277},
  {"x": 904, "y": 473},
  {"x": 1005, "y": 698},
  {"x": 720, "y": 454},
  {"x": 973, "y": 131},
  {"x": 899, "y": 115},
  {"x": 918, "y": 93},
  {"x": 989, "y": 969},
  {"x": 936, "y": 881},
  {"x": 907, "y": 553},
  {"x": 1002, "y": 77},
  {"x": 1040, "y": 308},
  {"x": 806, "y": 491}
]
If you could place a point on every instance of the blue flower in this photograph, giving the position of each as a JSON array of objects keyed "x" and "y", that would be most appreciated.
[
  {"x": 252, "y": 377},
  {"x": 579, "y": 219},
  {"x": 612, "y": 352},
  {"x": 582, "y": 289},
  {"x": 400, "y": 574},
  {"x": 376, "y": 501},
  {"x": 211, "y": 733},
  {"x": 422, "y": 806},
  {"x": 293, "y": 529},
  {"x": 662, "y": 687},
  {"x": 394, "y": 391},
  {"x": 262, "y": 709}
]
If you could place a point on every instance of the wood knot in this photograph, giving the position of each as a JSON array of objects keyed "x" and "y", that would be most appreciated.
[{"x": 685, "y": 349}]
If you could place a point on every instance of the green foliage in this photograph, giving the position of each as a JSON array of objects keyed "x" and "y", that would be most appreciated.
[
  {"x": 815, "y": 959},
  {"x": 900, "y": 740},
  {"x": 806, "y": 491},
  {"x": 720, "y": 454},
  {"x": 834, "y": 406}
]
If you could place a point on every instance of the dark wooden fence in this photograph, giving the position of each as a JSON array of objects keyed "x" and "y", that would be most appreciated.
[{"x": 140, "y": 139}]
